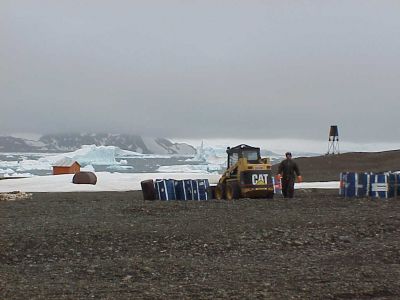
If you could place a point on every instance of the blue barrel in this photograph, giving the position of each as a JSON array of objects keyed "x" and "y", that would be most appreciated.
[
  {"x": 204, "y": 188},
  {"x": 380, "y": 186},
  {"x": 362, "y": 185},
  {"x": 195, "y": 190},
  {"x": 397, "y": 184},
  {"x": 165, "y": 189},
  {"x": 347, "y": 184},
  {"x": 200, "y": 188},
  {"x": 354, "y": 184},
  {"x": 183, "y": 189},
  {"x": 394, "y": 184}
]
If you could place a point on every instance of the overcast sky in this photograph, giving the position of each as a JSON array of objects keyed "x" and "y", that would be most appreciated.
[{"x": 201, "y": 69}]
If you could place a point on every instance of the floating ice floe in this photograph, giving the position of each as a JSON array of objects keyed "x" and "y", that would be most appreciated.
[
  {"x": 189, "y": 169},
  {"x": 119, "y": 168}
]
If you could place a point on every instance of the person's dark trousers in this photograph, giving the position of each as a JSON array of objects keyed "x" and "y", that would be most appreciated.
[{"x": 288, "y": 188}]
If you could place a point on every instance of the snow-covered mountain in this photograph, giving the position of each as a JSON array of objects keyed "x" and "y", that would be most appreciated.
[{"x": 72, "y": 142}]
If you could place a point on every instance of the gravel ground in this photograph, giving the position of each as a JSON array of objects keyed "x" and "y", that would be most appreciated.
[{"x": 117, "y": 246}]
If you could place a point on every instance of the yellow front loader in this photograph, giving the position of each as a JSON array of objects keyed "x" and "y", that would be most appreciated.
[{"x": 247, "y": 175}]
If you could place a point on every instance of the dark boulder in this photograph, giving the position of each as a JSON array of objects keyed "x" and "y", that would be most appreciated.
[{"x": 85, "y": 178}]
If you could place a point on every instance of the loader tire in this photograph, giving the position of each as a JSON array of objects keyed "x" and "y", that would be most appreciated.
[
  {"x": 232, "y": 190},
  {"x": 220, "y": 191},
  {"x": 270, "y": 195}
]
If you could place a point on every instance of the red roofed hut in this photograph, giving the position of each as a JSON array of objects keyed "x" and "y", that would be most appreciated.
[{"x": 66, "y": 166}]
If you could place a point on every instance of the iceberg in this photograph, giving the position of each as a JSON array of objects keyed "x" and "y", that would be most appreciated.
[
  {"x": 6, "y": 171},
  {"x": 88, "y": 168},
  {"x": 29, "y": 164},
  {"x": 183, "y": 169},
  {"x": 119, "y": 168},
  {"x": 88, "y": 155},
  {"x": 204, "y": 169},
  {"x": 97, "y": 155},
  {"x": 26, "y": 165},
  {"x": 213, "y": 159}
]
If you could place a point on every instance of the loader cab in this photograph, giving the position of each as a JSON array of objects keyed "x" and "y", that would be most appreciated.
[{"x": 252, "y": 154}]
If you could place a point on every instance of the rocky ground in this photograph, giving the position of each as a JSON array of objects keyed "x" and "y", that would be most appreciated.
[{"x": 117, "y": 246}]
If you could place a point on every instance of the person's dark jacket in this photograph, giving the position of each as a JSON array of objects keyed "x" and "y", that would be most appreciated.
[{"x": 288, "y": 168}]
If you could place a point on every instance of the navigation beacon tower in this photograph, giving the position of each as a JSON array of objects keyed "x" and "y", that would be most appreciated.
[{"x": 333, "y": 141}]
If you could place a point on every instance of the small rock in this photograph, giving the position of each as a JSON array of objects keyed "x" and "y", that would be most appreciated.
[
  {"x": 345, "y": 239},
  {"x": 297, "y": 243},
  {"x": 127, "y": 277}
]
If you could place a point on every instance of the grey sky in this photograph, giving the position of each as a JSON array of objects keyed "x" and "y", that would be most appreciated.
[{"x": 197, "y": 69}]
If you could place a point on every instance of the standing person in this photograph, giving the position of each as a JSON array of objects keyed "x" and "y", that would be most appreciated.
[{"x": 287, "y": 169}]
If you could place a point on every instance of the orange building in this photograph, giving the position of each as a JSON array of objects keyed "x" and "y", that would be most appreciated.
[{"x": 66, "y": 166}]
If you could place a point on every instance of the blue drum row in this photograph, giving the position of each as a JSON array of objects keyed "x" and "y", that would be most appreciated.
[
  {"x": 187, "y": 189},
  {"x": 377, "y": 185}
]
